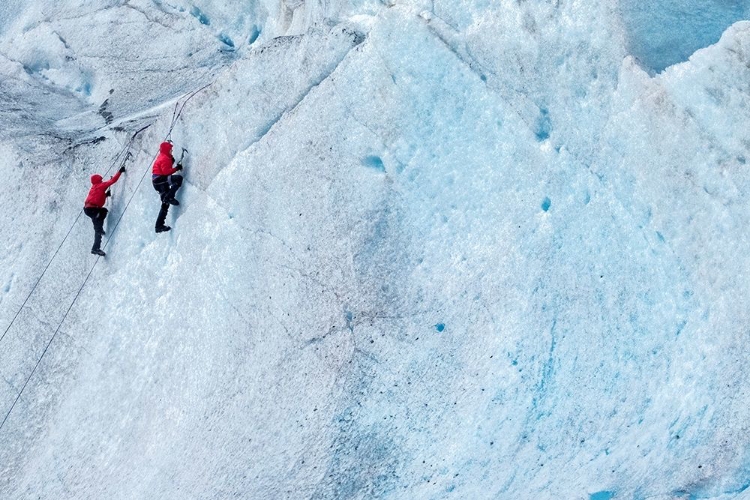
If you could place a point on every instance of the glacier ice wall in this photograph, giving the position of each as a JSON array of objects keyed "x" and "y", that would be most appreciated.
[{"x": 425, "y": 250}]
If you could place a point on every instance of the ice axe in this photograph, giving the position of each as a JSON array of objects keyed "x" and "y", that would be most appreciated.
[
  {"x": 110, "y": 195},
  {"x": 184, "y": 150}
]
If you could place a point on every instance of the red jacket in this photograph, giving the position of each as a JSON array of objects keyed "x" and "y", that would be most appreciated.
[
  {"x": 98, "y": 192},
  {"x": 165, "y": 160}
]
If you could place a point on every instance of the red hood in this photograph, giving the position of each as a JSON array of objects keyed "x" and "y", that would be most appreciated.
[
  {"x": 96, "y": 179},
  {"x": 166, "y": 148}
]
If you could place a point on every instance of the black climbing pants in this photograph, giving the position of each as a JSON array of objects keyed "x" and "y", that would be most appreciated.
[
  {"x": 167, "y": 187},
  {"x": 97, "y": 216}
]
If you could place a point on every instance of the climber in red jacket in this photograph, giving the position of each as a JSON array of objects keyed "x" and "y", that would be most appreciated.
[
  {"x": 93, "y": 207},
  {"x": 166, "y": 183}
]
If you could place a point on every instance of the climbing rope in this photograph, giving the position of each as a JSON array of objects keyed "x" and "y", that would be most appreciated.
[
  {"x": 124, "y": 152},
  {"x": 70, "y": 307},
  {"x": 176, "y": 113},
  {"x": 48, "y": 344},
  {"x": 175, "y": 116}
]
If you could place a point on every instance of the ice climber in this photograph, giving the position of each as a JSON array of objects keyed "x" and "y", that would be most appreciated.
[
  {"x": 166, "y": 183},
  {"x": 93, "y": 207}
]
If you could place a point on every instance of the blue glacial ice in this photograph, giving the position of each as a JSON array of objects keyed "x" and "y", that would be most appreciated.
[
  {"x": 667, "y": 32},
  {"x": 425, "y": 250}
]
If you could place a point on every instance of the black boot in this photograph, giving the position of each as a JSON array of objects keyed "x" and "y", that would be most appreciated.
[
  {"x": 162, "y": 216},
  {"x": 172, "y": 201},
  {"x": 99, "y": 252},
  {"x": 163, "y": 229}
]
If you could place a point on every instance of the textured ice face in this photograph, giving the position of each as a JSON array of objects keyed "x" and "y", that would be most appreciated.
[{"x": 424, "y": 250}]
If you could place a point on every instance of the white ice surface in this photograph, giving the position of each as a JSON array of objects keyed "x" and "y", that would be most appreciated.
[{"x": 426, "y": 249}]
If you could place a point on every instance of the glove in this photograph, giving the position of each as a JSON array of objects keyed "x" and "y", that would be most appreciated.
[
  {"x": 122, "y": 170},
  {"x": 109, "y": 193},
  {"x": 179, "y": 166}
]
